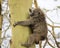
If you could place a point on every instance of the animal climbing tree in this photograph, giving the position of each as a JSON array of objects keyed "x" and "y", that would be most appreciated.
[{"x": 19, "y": 11}]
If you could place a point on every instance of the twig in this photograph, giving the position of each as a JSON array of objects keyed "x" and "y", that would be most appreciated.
[
  {"x": 51, "y": 44},
  {"x": 45, "y": 43},
  {"x": 54, "y": 39}
]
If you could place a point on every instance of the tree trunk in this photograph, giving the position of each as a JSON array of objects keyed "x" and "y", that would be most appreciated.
[{"x": 19, "y": 11}]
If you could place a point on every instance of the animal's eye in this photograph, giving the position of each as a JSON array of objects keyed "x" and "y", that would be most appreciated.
[{"x": 32, "y": 14}]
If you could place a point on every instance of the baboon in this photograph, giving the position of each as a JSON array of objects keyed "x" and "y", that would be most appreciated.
[{"x": 37, "y": 24}]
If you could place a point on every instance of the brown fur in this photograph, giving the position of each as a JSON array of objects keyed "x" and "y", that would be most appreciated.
[{"x": 38, "y": 26}]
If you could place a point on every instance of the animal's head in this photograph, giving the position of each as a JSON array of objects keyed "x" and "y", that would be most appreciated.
[{"x": 36, "y": 12}]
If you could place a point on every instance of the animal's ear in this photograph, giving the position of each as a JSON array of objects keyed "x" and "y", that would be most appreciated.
[{"x": 30, "y": 10}]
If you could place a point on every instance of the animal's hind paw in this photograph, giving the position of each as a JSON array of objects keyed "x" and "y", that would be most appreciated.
[{"x": 26, "y": 44}]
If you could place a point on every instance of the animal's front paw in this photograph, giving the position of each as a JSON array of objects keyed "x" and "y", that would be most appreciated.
[{"x": 14, "y": 24}]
